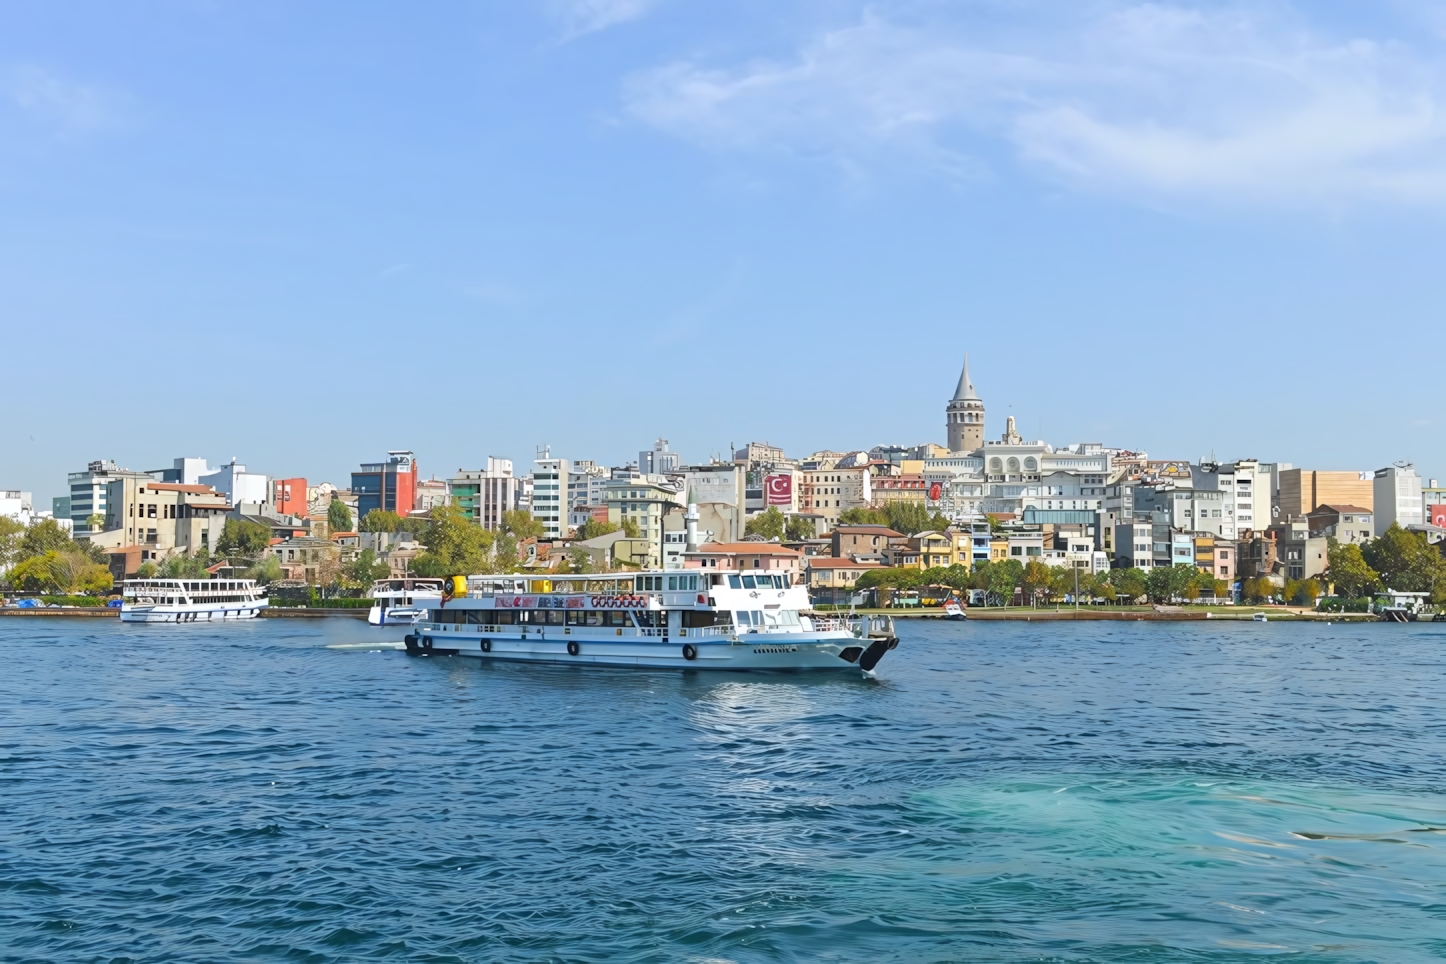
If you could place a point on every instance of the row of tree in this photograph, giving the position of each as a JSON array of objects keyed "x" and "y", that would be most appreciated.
[
  {"x": 1040, "y": 582},
  {"x": 1397, "y": 559},
  {"x": 42, "y": 557}
]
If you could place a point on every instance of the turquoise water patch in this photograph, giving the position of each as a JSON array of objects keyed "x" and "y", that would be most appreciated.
[{"x": 1191, "y": 863}]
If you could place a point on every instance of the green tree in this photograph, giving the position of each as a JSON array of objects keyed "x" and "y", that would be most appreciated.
[
  {"x": 244, "y": 537},
  {"x": 1405, "y": 560},
  {"x": 338, "y": 516},
  {"x": 55, "y": 571},
  {"x": 520, "y": 523},
  {"x": 42, "y": 536},
  {"x": 146, "y": 570},
  {"x": 456, "y": 545},
  {"x": 579, "y": 561},
  {"x": 366, "y": 569},
  {"x": 1004, "y": 577},
  {"x": 1165, "y": 584},
  {"x": 768, "y": 525},
  {"x": 381, "y": 520},
  {"x": 1257, "y": 590},
  {"x": 1348, "y": 569},
  {"x": 909, "y": 518},
  {"x": 592, "y": 528},
  {"x": 95, "y": 522},
  {"x": 265, "y": 570},
  {"x": 800, "y": 529},
  {"x": 1038, "y": 578},
  {"x": 630, "y": 529},
  {"x": 11, "y": 532},
  {"x": 1130, "y": 582},
  {"x": 862, "y": 517},
  {"x": 186, "y": 567}
]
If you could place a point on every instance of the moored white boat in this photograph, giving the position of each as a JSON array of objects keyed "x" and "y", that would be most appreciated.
[
  {"x": 952, "y": 610},
  {"x": 401, "y": 602},
  {"x": 190, "y": 600},
  {"x": 689, "y": 619}
]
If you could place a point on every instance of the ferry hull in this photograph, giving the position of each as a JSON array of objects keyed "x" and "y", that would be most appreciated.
[
  {"x": 189, "y": 614},
  {"x": 780, "y": 652}
]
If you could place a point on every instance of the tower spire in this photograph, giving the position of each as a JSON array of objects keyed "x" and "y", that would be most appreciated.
[{"x": 965, "y": 391}]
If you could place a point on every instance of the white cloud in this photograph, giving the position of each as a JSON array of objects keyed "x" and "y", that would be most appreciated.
[
  {"x": 1231, "y": 103},
  {"x": 581, "y": 17},
  {"x": 70, "y": 106}
]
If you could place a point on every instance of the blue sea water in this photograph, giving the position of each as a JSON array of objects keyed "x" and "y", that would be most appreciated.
[{"x": 1000, "y": 792}]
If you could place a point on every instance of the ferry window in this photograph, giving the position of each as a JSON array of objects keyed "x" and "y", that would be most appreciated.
[
  {"x": 474, "y": 617},
  {"x": 594, "y": 618},
  {"x": 734, "y": 582},
  {"x": 788, "y": 617},
  {"x": 672, "y": 582},
  {"x": 504, "y": 617},
  {"x": 554, "y": 617},
  {"x": 617, "y": 619},
  {"x": 749, "y": 582},
  {"x": 745, "y": 618},
  {"x": 574, "y": 617}
]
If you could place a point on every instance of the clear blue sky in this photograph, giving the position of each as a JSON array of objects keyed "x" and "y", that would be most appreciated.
[{"x": 303, "y": 234}]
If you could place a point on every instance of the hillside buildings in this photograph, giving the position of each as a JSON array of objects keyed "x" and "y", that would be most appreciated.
[{"x": 1396, "y": 497}]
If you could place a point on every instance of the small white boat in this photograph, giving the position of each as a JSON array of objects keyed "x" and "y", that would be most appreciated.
[
  {"x": 401, "y": 602},
  {"x": 952, "y": 610},
  {"x": 1260, "y": 618},
  {"x": 190, "y": 600}
]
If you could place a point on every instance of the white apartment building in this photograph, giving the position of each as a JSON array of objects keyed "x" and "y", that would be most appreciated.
[
  {"x": 1246, "y": 486},
  {"x": 645, "y": 501},
  {"x": 16, "y": 505},
  {"x": 1397, "y": 493},
  {"x": 587, "y": 489},
  {"x": 1012, "y": 475},
  {"x": 659, "y": 460},
  {"x": 236, "y": 484},
  {"x": 829, "y": 491},
  {"x": 1188, "y": 510},
  {"x": 550, "y": 498}
]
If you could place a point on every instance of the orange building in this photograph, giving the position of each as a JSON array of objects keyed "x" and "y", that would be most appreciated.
[{"x": 289, "y": 496}]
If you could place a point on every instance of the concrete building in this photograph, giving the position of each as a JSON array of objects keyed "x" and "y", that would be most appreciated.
[
  {"x": 658, "y": 460},
  {"x": 389, "y": 485},
  {"x": 827, "y": 487},
  {"x": 1299, "y": 554},
  {"x": 1303, "y": 490},
  {"x": 644, "y": 501},
  {"x": 1192, "y": 510},
  {"x": 719, "y": 492},
  {"x": 1247, "y": 489},
  {"x": 88, "y": 493},
  {"x": 430, "y": 492},
  {"x": 899, "y": 488},
  {"x": 952, "y": 547},
  {"x": 863, "y": 542},
  {"x": 747, "y": 555},
  {"x": 161, "y": 518},
  {"x": 1396, "y": 497},
  {"x": 311, "y": 560},
  {"x": 484, "y": 494},
  {"x": 586, "y": 492},
  {"x": 964, "y": 416},
  {"x": 1344, "y": 523},
  {"x": 831, "y": 581},
  {"x": 235, "y": 483},
  {"x": 1134, "y": 544},
  {"x": 760, "y": 455},
  {"x": 288, "y": 497},
  {"x": 16, "y": 505}
]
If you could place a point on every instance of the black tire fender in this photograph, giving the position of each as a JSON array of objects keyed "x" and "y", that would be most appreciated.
[
  {"x": 572, "y": 647},
  {"x": 690, "y": 652},
  {"x": 426, "y": 642},
  {"x": 486, "y": 645}
]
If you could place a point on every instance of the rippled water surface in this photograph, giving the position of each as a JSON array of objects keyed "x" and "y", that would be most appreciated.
[{"x": 1002, "y": 791}]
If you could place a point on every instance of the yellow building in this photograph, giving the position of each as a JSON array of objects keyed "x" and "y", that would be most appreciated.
[{"x": 948, "y": 548}]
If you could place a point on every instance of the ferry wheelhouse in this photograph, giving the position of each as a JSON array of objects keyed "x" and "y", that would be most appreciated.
[
  {"x": 691, "y": 619},
  {"x": 190, "y": 600},
  {"x": 401, "y": 602}
]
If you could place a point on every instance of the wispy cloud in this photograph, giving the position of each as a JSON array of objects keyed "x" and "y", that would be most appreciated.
[
  {"x": 68, "y": 105},
  {"x": 1235, "y": 103},
  {"x": 579, "y": 17}
]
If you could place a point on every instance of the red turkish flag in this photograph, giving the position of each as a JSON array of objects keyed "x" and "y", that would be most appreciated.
[
  {"x": 935, "y": 491},
  {"x": 779, "y": 489}
]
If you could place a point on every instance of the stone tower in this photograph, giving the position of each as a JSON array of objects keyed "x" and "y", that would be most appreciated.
[{"x": 965, "y": 417}]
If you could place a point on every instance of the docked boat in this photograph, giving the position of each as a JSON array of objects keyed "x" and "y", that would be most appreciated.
[
  {"x": 190, "y": 600},
  {"x": 954, "y": 611},
  {"x": 1259, "y": 617},
  {"x": 401, "y": 602},
  {"x": 691, "y": 619}
]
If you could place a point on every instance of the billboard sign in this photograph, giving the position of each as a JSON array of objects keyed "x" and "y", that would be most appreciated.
[{"x": 778, "y": 489}]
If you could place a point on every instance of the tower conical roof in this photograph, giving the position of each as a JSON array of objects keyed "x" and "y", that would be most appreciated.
[{"x": 965, "y": 391}]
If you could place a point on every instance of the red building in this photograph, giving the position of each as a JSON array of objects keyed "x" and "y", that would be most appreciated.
[
  {"x": 289, "y": 496},
  {"x": 389, "y": 485}
]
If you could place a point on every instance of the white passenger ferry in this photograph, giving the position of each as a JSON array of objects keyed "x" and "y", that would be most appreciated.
[
  {"x": 190, "y": 600},
  {"x": 690, "y": 619},
  {"x": 401, "y": 602}
]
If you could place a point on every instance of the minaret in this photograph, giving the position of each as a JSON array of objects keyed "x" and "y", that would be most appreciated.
[{"x": 965, "y": 418}]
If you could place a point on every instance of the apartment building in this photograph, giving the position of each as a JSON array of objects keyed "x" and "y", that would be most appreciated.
[
  {"x": 1396, "y": 497},
  {"x": 1303, "y": 490},
  {"x": 484, "y": 494}
]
